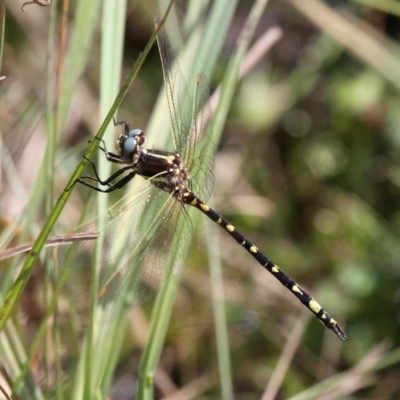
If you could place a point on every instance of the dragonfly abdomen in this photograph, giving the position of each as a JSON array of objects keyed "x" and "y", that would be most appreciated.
[{"x": 191, "y": 199}]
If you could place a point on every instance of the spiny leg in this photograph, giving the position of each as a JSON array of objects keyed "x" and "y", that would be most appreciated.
[
  {"x": 283, "y": 278},
  {"x": 126, "y": 126},
  {"x": 96, "y": 177},
  {"x": 111, "y": 186},
  {"x": 112, "y": 157}
]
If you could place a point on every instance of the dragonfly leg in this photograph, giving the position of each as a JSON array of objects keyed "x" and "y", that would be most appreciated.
[
  {"x": 116, "y": 123},
  {"x": 115, "y": 158},
  {"x": 108, "y": 182}
]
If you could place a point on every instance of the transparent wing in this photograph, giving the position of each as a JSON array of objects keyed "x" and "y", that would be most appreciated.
[
  {"x": 201, "y": 147},
  {"x": 179, "y": 100},
  {"x": 191, "y": 122},
  {"x": 145, "y": 238}
]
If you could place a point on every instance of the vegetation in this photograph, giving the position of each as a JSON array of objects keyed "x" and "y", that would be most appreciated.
[{"x": 308, "y": 167}]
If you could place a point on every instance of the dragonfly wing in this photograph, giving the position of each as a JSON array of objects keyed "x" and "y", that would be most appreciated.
[
  {"x": 191, "y": 121},
  {"x": 145, "y": 238},
  {"x": 158, "y": 257},
  {"x": 178, "y": 97},
  {"x": 201, "y": 147}
]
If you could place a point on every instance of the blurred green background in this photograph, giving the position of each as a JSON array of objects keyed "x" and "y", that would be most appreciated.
[{"x": 308, "y": 167}]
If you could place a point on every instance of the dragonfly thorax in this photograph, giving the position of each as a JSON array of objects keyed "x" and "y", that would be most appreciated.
[{"x": 164, "y": 169}]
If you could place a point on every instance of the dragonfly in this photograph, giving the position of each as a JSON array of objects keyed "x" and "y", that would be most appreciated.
[{"x": 147, "y": 233}]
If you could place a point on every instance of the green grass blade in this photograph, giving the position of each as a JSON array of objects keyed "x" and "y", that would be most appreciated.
[
  {"x": 217, "y": 291},
  {"x": 158, "y": 326},
  {"x": 227, "y": 92},
  {"x": 389, "y": 6},
  {"x": 2, "y": 29},
  {"x": 86, "y": 16},
  {"x": 22, "y": 279},
  {"x": 97, "y": 355},
  {"x": 367, "y": 44},
  {"x": 165, "y": 300},
  {"x": 229, "y": 83}
]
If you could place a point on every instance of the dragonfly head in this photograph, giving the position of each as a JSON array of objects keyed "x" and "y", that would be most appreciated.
[{"x": 127, "y": 144}]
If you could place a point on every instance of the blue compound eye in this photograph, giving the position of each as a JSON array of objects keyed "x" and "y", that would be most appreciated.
[
  {"x": 135, "y": 132},
  {"x": 128, "y": 144}
]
